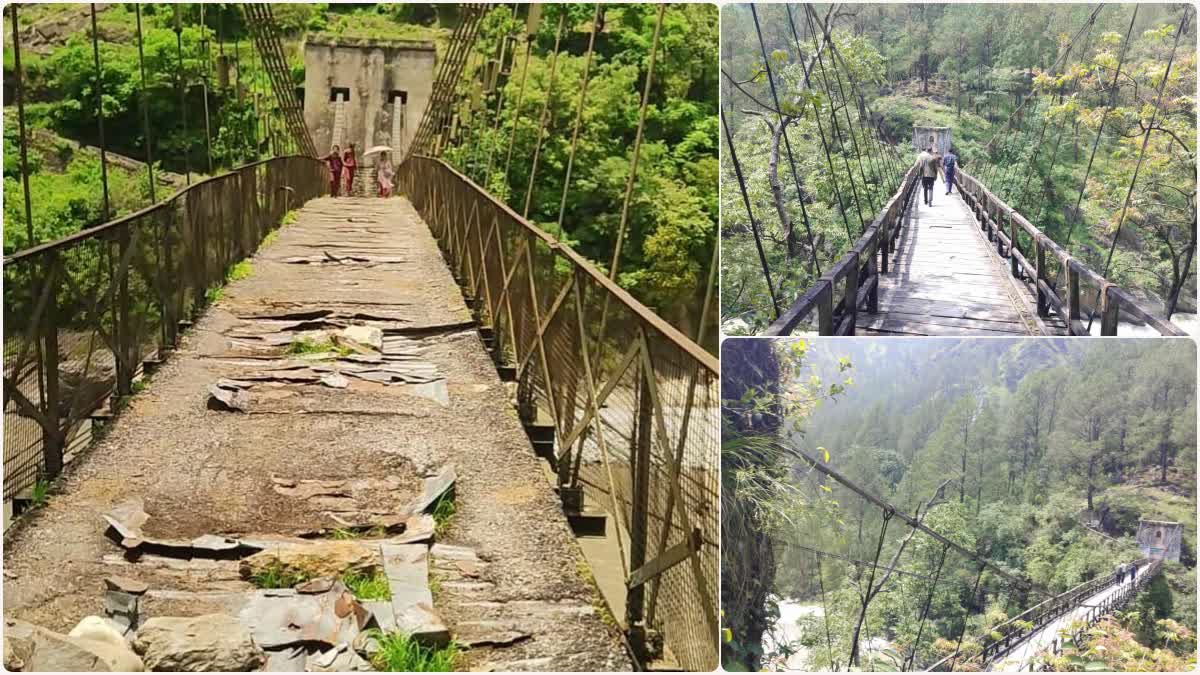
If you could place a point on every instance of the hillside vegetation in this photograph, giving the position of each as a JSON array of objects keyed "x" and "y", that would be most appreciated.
[
  {"x": 1026, "y": 90},
  {"x": 1010, "y": 448}
]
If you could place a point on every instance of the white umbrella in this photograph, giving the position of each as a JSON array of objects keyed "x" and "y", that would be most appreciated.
[{"x": 378, "y": 148}]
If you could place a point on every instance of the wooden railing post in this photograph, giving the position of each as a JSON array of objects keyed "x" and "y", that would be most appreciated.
[
  {"x": 1111, "y": 311},
  {"x": 825, "y": 308},
  {"x": 1012, "y": 246},
  {"x": 639, "y": 508},
  {"x": 1072, "y": 294},
  {"x": 851, "y": 300},
  {"x": 1040, "y": 260},
  {"x": 873, "y": 278}
]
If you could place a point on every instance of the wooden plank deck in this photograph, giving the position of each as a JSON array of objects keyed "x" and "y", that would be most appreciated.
[{"x": 946, "y": 279}]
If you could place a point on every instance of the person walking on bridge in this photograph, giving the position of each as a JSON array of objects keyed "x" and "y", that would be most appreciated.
[
  {"x": 349, "y": 164},
  {"x": 334, "y": 159},
  {"x": 949, "y": 166},
  {"x": 927, "y": 162},
  {"x": 383, "y": 174}
]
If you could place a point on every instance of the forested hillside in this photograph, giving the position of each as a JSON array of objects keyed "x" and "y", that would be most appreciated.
[
  {"x": 1028, "y": 92},
  {"x": 1041, "y": 454},
  {"x": 667, "y": 251},
  {"x": 668, "y": 248}
]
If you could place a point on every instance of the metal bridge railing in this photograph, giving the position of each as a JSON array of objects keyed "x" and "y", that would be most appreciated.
[
  {"x": 1040, "y": 275},
  {"x": 84, "y": 313},
  {"x": 633, "y": 402},
  {"x": 854, "y": 280},
  {"x": 1019, "y": 628}
]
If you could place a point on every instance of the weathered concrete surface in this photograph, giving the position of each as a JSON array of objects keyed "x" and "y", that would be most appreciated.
[
  {"x": 371, "y": 70},
  {"x": 202, "y": 471}
]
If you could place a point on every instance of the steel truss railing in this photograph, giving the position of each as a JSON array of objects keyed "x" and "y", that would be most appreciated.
[
  {"x": 633, "y": 402},
  {"x": 1019, "y": 628},
  {"x": 85, "y": 313}
]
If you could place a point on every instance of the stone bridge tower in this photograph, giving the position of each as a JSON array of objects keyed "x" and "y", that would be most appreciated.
[{"x": 366, "y": 92}]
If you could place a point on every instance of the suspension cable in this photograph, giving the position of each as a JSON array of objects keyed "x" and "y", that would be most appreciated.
[
  {"x": 809, "y": 12},
  {"x": 925, "y": 610},
  {"x": 583, "y": 89},
  {"x": 544, "y": 116},
  {"x": 762, "y": 258},
  {"x": 821, "y": 132},
  {"x": 1162, "y": 86},
  {"x": 137, "y": 10},
  {"x": 825, "y": 615},
  {"x": 1100, "y": 131},
  {"x": 100, "y": 116},
  {"x": 788, "y": 145}
]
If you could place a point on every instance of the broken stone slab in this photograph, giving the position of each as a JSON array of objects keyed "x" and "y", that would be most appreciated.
[
  {"x": 406, "y": 567},
  {"x": 488, "y": 634},
  {"x": 450, "y": 552},
  {"x": 313, "y": 559},
  {"x": 339, "y": 659},
  {"x": 122, "y": 609},
  {"x": 335, "y": 380},
  {"x": 127, "y": 519},
  {"x": 228, "y": 397},
  {"x": 369, "y": 336},
  {"x": 417, "y": 529},
  {"x": 282, "y": 617},
  {"x": 213, "y": 642},
  {"x": 382, "y": 616},
  {"x": 125, "y": 585},
  {"x": 315, "y": 586},
  {"x": 286, "y": 660},
  {"x": 95, "y": 648},
  {"x": 435, "y": 486}
]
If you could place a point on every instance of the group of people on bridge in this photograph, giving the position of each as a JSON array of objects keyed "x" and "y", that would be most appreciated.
[
  {"x": 929, "y": 162},
  {"x": 342, "y": 166},
  {"x": 1127, "y": 572}
]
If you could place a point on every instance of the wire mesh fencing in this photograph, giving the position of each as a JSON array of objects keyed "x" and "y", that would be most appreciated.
[
  {"x": 633, "y": 402},
  {"x": 85, "y": 313}
]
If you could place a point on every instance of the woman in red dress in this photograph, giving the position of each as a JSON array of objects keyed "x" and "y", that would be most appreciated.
[
  {"x": 349, "y": 163},
  {"x": 334, "y": 158}
]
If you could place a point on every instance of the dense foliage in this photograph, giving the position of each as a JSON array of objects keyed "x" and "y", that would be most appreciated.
[
  {"x": 668, "y": 247},
  {"x": 1036, "y": 79},
  {"x": 1010, "y": 449}
]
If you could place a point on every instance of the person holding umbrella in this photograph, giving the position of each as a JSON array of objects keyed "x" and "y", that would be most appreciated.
[{"x": 384, "y": 172}]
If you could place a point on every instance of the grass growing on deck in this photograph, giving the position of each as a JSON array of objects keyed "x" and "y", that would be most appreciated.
[{"x": 399, "y": 653}]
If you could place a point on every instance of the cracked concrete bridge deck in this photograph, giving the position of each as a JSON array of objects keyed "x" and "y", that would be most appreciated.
[{"x": 371, "y": 426}]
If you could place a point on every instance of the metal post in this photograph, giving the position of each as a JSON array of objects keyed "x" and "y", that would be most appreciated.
[{"x": 18, "y": 75}]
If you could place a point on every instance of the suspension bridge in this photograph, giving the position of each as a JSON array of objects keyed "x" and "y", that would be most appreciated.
[
  {"x": 378, "y": 357},
  {"x": 1019, "y": 643},
  {"x": 971, "y": 263}
]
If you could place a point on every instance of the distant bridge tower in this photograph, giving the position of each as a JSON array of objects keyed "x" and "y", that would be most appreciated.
[
  {"x": 1160, "y": 539},
  {"x": 938, "y": 137}
]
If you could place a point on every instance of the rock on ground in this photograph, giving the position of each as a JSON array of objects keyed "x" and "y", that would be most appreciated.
[
  {"x": 318, "y": 559},
  {"x": 213, "y": 642},
  {"x": 32, "y": 648}
]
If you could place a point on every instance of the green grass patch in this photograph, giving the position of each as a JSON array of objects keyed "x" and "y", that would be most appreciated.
[
  {"x": 288, "y": 218},
  {"x": 370, "y": 586},
  {"x": 39, "y": 493},
  {"x": 342, "y": 534},
  {"x": 276, "y": 575},
  {"x": 138, "y": 386},
  {"x": 310, "y": 346},
  {"x": 269, "y": 239},
  {"x": 399, "y": 653},
  {"x": 239, "y": 271},
  {"x": 443, "y": 514},
  {"x": 214, "y": 294}
]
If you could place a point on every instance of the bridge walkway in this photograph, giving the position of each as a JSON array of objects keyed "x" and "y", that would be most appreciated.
[
  {"x": 947, "y": 280},
  {"x": 304, "y": 450},
  {"x": 1020, "y": 658}
]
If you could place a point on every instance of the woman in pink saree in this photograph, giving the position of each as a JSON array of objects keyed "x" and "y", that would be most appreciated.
[{"x": 384, "y": 175}]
